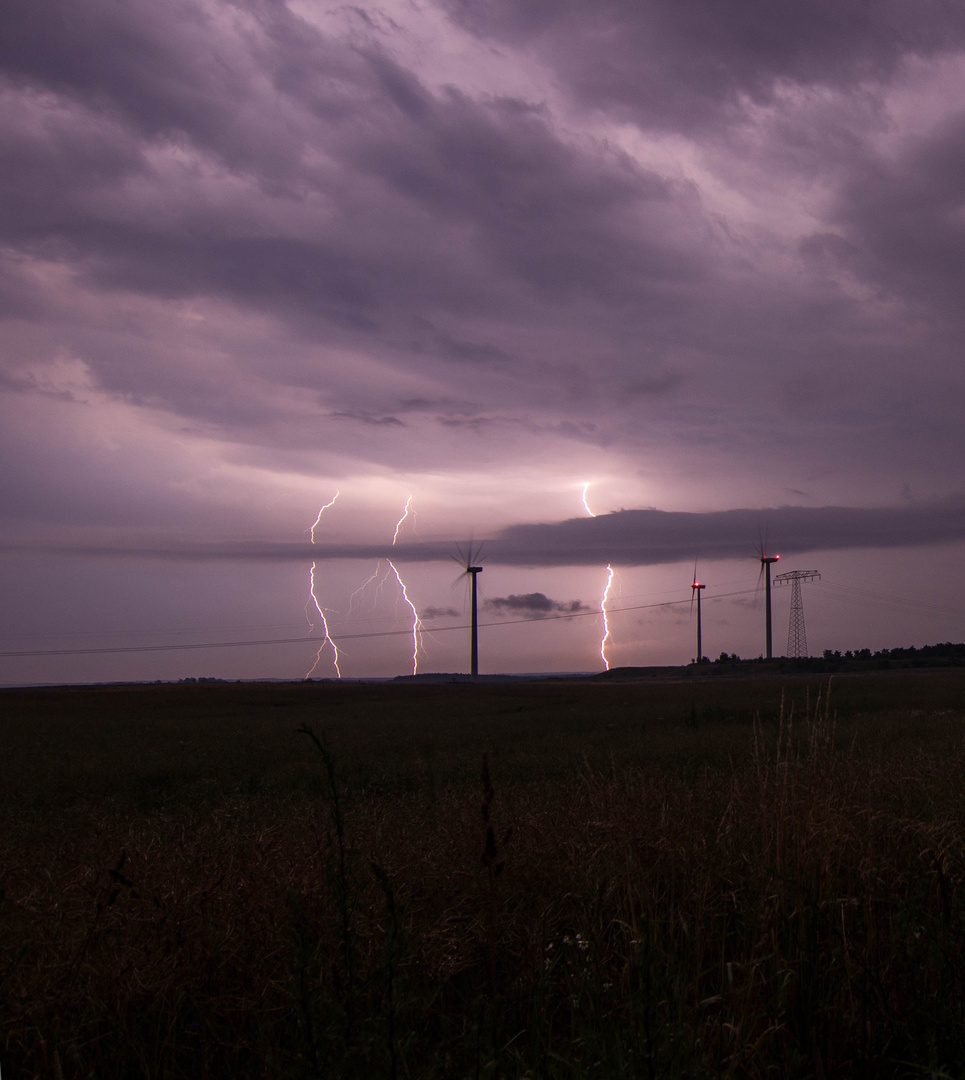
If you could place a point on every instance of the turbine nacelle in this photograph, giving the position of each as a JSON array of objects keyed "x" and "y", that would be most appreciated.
[
  {"x": 766, "y": 562},
  {"x": 695, "y": 587}
]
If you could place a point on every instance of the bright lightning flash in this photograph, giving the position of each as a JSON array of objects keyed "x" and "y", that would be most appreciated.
[
  {"x": 606, "y": 625},
  {"x": 398, "y": 524},
  {"x": 379, "y": 578},
  {"x": 318, "y": 606},
  {"x": 416, "y": 622},
  {"x": 605, "y": 596}
]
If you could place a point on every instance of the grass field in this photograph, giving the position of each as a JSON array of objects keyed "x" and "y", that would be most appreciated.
[{"x": 758, "y": 877}]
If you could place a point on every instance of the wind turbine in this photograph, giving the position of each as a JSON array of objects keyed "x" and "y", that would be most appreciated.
[
  {"x": 695, "y": 588},
  {"x": 766, "y": 561},
  {"x": 469, "y": 558}
]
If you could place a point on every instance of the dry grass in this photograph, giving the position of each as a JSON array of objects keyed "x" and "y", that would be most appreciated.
[{"x": 661, "y": 881}]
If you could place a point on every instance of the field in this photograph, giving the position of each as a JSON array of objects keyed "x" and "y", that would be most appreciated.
[{"x": 587, "y": 878}]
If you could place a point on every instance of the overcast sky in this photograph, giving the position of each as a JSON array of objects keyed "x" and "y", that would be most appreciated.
[{"x": 625, "y": 283}]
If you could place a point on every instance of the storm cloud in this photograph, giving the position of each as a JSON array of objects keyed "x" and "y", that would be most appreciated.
[
  {"x": 490, "y": 256},
  {"x": 627, "y": 538},
  {"x": 537, "y": 605}
]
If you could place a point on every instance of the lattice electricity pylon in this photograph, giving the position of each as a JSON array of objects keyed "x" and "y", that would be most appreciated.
[{"x": 797, "y": 642}]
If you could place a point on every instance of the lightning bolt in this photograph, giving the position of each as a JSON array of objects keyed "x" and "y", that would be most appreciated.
[
  {"x": 416, "y": 622},
  {"x": 381, "y": 575},
  {"x": 356, "y": 598},
  {"x": 318, "y": 606},
  {"x": 606, "y": 625},
  {"x": 398, "y": 524},
  {"x": 606, "y": 592},
  {"x": 322, "y": 511}
]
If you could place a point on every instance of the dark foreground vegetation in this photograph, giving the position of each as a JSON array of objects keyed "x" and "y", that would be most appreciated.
[{"x": 574, "y": 879}]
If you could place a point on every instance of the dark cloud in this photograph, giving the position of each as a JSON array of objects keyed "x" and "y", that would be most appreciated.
[
  {"x": 627, "y": 538},
  {"x": 530, "y": 231},
  {"x": 536, "y": 604},
  {"x": 724, "y": 265},
  {"x": 174, "y": 160},
  {"x": 559, "y": 219},
  {"x": 562, "y": 221},
  {"x": 689, "y": 66},
  {"x": 648, "y": 537},
  {"x": 902, "y": 222},
  {"x": 432, "y": 612},
  {"x": 373, "y": 419},
  {"x": 184, "y": 72}
]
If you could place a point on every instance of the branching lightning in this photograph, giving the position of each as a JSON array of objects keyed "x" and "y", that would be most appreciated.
[
  {"x": 381, "y": 575},
  {"x": 416, "y": 622},
  {"x": 318, "y": 606},
  {"x": 378, "y": 577}
]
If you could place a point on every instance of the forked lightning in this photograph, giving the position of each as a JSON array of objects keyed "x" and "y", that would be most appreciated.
[
  {"x": 416, "y": 622},
  {"x": 318, "y": 606},
  {"x": 606, "y": 625},
  {"x": 381, "y": 575}
]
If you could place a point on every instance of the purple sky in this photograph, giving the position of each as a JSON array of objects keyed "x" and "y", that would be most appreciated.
[{"x": 706, "y": 258}]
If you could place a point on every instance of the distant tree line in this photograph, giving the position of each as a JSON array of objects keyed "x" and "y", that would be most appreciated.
[{"x": 945, "y": 654}]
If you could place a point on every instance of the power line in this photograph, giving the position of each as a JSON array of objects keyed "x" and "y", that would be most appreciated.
[
  {"x": 186, "y": 646},
  {"x": 855, "y": 595},
  {"x": 849, "y": 593}
]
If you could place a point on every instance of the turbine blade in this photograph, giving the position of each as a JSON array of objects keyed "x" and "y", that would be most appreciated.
[
  {"x": 759, "y": 587},
  {"x": 468, "y": 555}
]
